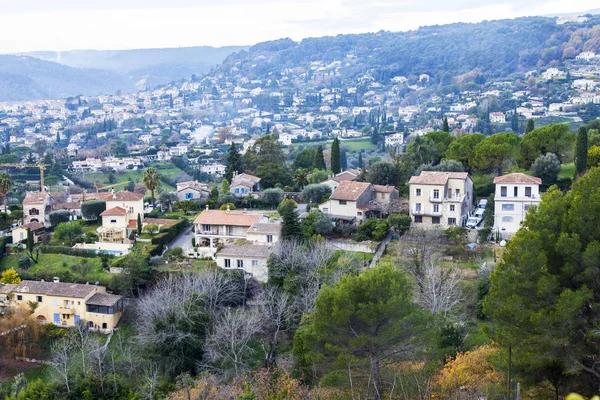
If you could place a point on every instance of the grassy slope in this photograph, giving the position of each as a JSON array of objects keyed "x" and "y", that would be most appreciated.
[{"x": 55, "y": 263}]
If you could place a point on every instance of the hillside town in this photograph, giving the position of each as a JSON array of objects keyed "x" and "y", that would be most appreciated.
[{"x": 198, "y": 234}]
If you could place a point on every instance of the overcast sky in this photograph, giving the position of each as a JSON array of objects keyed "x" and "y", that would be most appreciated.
[{"x": 28, "y": 25}]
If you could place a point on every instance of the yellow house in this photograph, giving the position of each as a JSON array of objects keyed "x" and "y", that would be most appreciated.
[{"x": 66, "y": 304}]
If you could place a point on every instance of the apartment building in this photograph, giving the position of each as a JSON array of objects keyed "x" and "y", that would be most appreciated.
[
  {"x": 440, "y": 199},
  {"x": 514, "y": 195},
  {"x": 65, "y": 304}
]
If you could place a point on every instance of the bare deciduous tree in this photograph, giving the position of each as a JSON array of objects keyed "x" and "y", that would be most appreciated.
[
  {"x": 437, "y": 287},
  {"x": 61, "y": 361},
  {"x": 440, "y": 289},
  {"x": 227, "y": 345},
  {"x": 273, "y": 308}
]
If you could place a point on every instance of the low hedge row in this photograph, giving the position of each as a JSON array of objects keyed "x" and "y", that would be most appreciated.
[
  {"x": 167, "y": 235},
  {"x": 70, "y": 251}
]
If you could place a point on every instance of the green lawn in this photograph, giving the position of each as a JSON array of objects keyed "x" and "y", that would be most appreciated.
[
  {"x": 54, "y": 264},
  {"x": 165, "y": 169},
  {"x": 567, "y": 171},
  {"x": 196, "y": 264},
  {"x": 358, "y": 144}
]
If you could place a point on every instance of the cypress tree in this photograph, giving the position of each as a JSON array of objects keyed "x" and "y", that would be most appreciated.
[
  {"x": 360, "y": 160},
  {"x": 57, "y": 137},
  {"x": 234, "y": 162},
  {"x": 581, "y": 151},
  {"x": 530, "y": 125},
  {"x": 343, "y": 160},
  {"x": 320, "y": 159},
  {"x": 335, "y": 157},
  {"x": 139, "y": 224},
  {"x": 446, "y": 127}
]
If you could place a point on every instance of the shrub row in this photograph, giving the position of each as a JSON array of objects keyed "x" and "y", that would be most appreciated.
[
  {"x": 70, "y": 251},
  {"x": 167, "y": 235}
]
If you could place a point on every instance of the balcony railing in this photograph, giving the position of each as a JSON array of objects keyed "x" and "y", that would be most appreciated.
[
  {"x": 434, "y": 199},
  {"x": 67, "y": 309},
  {"x": 418, "y": 211}
]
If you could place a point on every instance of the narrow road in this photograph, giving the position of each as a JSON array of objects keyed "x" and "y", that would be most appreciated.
[{"x": 184, "y": 240}]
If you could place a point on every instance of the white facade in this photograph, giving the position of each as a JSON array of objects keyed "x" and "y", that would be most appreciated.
[
  {"x": 394, "y": 140},
  {"x": 514, "y": 195}
]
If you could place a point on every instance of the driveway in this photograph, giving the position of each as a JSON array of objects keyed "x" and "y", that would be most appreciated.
[{"x": 184, "y": 240}]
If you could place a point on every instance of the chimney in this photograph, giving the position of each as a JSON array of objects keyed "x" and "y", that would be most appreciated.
[
  {"x": 56, "y": 279},
  {"x": 207, "y": 207},
  {"x": 113, "y": 192},
  {"x": 228, "y": 207}
]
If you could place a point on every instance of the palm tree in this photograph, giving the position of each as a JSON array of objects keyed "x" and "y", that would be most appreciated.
[
  {"x": 5, "y": 186},
  {"x": 301, "y": 178},
  {"x": 151, "y": 180}
]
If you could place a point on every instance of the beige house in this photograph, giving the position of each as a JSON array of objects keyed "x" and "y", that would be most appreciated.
[
  {"x": 244, "y": 184},
  {"x": 348, "y": 175},
  {"x": 441, "y": 199},
  {"x": 354, "y": 202},
  {"x": 20, "y": 232},
  {"x": 36, "y": 207},
  {"x": 217, "y": 226},
  {"x": 192, "y": 190},
  {"x": 119, "y": 219},
  {"x": 65, "y": 304},
  {"x": 252, "y": 259}
]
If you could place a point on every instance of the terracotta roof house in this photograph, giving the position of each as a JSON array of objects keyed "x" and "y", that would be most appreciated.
[
  {"x": 353, "y": 202},
  {"x": 514, "y": 196},
  {"x": 66, "y": 304},
  {"x": 439, "y": 199},
  {"x": 244, "y": 184}
]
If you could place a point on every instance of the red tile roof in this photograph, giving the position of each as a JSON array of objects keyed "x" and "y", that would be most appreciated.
[
  {"x": 115, "y": 211},
  {"x": 350, "y": 190},
  {"x": 119, "y": 196},
  {"x": 518, "y": 178},
  {"x": 35, "y": 198},
  {"x": 384, "y": 188},
  {"x": 436, "y": 177},
  {"x": 234, "y": 218}
]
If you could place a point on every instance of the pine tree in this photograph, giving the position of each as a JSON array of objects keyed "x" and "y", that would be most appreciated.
[
  {"x": 290, "y": 225},
  {"x": 343, "y": 160},
  {"x": 530, "y": 125},
  {"x": 234, "y": 162},
  {"x": 360, "y": 160},
  {"x": 335, "y": 157},
  {"x": 320, "y": 159},
  {"x": 581, "y": 151},
  {"x": 446, "y": 127}
]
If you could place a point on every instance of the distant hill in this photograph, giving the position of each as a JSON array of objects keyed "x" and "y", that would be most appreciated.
[
  {"x": 447, "y": 53},
  {"x": 28, "y": 78},
  {"x": 144, "y": 67}
]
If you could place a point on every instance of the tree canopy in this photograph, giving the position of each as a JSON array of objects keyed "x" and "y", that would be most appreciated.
[{"x": 545, "y": 294}]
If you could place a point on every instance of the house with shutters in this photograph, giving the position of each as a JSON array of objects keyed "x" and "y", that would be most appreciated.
[
  {"x": 354, "y": 202},
  {"x": 36, "y": 207},
  {"x": 440, "y": 199},
  {"x": 243, "y": 185},
  {"x": 515, "y": 194},
  {"x": 192, "y": 190},
  {"x": 65, "y": 304}
]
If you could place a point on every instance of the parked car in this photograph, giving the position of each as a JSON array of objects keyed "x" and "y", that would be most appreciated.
[
  {"x": 482, "y": 204},
  {"x": 479, "y": 213},
  {"x": 473, "y": 222}
]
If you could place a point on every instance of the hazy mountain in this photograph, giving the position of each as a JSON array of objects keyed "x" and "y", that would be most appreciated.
[
  {"x": 453, "y": 53},
  {"x": 145, "y": 67},
  {"x": 28, "y": 78}
]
